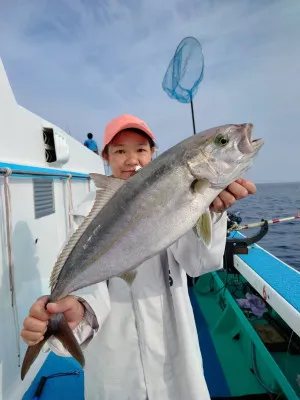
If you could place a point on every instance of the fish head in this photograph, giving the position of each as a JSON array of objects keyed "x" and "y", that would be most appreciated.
[{"x": 221, "y": 155}]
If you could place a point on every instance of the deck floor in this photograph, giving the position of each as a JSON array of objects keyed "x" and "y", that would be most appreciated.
[
  {"x": 213, "y": 372},
  {"x": 65, "y": 387}
]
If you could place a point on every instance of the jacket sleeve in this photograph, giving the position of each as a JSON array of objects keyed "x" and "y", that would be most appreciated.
[
  {"x": 191, "y": 253},
  {"x": 97, "y": 307}
]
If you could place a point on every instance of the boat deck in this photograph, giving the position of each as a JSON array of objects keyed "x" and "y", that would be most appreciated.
[
  {"x": 274, "y": 280},
  {"x": 64, "y": 387},
  {"x": 212, "y": 369}
]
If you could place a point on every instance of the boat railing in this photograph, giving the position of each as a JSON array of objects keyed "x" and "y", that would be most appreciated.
[{"x": 14, "y": 172}]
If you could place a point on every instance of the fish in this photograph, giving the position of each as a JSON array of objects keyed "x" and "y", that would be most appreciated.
[{"x": 133, "y": 220}]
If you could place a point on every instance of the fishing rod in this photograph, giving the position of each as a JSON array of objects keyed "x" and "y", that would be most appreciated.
[{"x": 236, "y": 227}]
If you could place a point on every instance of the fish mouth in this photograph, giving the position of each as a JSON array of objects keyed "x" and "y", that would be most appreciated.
[{"x": 247, "y": 145}]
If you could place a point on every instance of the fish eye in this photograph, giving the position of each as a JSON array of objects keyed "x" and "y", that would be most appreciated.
[{"x": 221, "y": 140}]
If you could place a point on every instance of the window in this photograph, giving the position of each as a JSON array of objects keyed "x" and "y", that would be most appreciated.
[
  {"x": 50, "y": 153},
  {"x": 56, "y": 146}
]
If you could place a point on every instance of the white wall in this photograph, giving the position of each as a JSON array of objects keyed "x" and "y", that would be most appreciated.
[
  {"x": 21, "y": 137},
  {"x": 35, "y": 244}
]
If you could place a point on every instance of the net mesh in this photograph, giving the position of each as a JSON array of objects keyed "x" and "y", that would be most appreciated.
[{"x": 185, "y": 71}]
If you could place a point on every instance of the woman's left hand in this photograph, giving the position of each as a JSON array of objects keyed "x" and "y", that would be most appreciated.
[{"x": 237, "y": 190}]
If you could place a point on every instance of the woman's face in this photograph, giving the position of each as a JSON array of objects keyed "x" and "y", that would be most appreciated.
[{"x": 127, "y": 151}]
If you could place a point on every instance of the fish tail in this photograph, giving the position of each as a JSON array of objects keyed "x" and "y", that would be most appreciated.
[
  {"x": 59, "y": 328},
  {"x": 31, "y": 354}
]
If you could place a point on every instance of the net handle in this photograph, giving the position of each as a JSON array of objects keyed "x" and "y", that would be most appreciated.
[{"x": 193, "y": 117}]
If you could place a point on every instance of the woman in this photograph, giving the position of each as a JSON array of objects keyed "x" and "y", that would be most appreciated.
[{"x": 140, "y": 342}]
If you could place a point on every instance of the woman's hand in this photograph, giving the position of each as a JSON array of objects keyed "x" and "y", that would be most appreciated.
[
  {"x": 237, "y": 190},
  {"x": 35, "y": 324}
]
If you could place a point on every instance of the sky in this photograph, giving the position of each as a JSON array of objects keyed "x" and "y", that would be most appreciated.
[{"x": 79, "y": 63}]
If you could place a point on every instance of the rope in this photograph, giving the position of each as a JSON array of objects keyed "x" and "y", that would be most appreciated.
[
  {"x": 70, "y": 197},
  {"x": 7, "y": 196}
]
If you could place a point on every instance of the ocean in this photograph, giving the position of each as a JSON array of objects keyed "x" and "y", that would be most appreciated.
[{"x": 275, "y": 200}]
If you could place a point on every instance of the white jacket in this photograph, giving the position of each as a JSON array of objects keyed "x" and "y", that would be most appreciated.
[{"x": 141, "y": 343}]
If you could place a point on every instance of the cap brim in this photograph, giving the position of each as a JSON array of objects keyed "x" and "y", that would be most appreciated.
[{"x": 129, "y": 126}]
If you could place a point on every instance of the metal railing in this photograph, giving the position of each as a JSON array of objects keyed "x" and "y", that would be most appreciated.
[{"x": 8, "y": 171}]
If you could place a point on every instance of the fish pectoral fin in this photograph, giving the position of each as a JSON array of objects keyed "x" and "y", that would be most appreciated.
[
  {"x": 58, "y": 327},
  {"x": 204, "y": 228},
  {"x": 128, "y": 277},
  {"x": 200, "y": 185}
]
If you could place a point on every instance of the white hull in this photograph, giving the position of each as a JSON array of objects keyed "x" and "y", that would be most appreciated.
[{"x": 35, "y": 241}]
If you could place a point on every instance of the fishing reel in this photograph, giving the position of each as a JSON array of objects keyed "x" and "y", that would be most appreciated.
[{"x": 233, "y": 220}]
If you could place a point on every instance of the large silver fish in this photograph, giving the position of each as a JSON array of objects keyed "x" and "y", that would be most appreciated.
[{"x": 133, "y": 220}]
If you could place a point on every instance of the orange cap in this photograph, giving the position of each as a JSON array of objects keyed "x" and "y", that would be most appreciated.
[{"x": 118, "y": 124}]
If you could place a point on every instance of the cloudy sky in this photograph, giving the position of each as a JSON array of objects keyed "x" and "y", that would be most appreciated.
[{"x": 79, "y": 63}]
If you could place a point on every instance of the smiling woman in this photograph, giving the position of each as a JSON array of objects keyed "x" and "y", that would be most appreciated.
[
  {"x": 128, "y": 143},
  {"x": 150, "y": 243}
]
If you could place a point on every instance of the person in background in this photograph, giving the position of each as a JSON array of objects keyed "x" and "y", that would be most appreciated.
[
  {"x": 91, "y": 144},
  {"x": 141, "y": 342}
]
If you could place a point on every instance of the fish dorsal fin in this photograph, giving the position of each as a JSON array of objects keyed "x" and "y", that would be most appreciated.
[
  {"x": 106, "y": 188},
  {"x": 104, "y": 181}
]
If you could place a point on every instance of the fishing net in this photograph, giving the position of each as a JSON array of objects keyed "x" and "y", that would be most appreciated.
[{"x": 185, "y": 71}]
